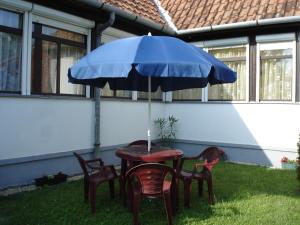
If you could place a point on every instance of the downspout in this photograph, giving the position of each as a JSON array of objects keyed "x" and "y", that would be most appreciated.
[
  {"x": 98, "y": 4},
  {"x": 99, "y": 30}
]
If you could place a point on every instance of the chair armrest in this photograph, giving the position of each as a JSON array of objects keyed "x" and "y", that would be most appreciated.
[{"x": 95, "y": 160}]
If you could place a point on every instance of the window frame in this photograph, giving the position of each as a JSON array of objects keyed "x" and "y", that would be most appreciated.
[
  {"x": 247, "y": 58},
  {"x": 19, "y": 32},
  {"x": 48, "y": 16},
  {"x": 39, "y": 38},
  {"x": 227, "y": 43},
  {"x": 289, "y": 39},
  {"x": 60, "y": 25}
]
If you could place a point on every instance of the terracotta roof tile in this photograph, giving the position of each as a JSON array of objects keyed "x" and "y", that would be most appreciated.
[
  {"x": 227, "y": 11},
  {"x": 144, "y": 8},
  {"x": 186, "y": 14}
]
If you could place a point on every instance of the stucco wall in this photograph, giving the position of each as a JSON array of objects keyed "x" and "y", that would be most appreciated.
[{"x": 38, "y": 126}]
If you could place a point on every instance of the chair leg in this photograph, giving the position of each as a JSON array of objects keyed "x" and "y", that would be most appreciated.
[
  {"x": 187, "y": 189},
  {"x": 111, "y": 188},
  {"x": 135, "y": 207},
  {"x": 130, "y": 198},
  {"x": 200, "y": 188},
  {"x": 86, "y": 189},
  {"x": 93, "y": 198},
  {"x": 168, "y": 206},
  {"x": 210, "y": 191}
]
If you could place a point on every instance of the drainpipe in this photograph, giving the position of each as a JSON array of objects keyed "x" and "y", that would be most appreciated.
[
  {"x": 98, "y": 4},
  {"x": 99, "y": 30}
]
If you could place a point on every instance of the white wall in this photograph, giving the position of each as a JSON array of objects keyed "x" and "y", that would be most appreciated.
[
  {"x": 38, "y": 126},
  {"x": 274, "y": 126},
  {"x": 126, "y": 121},
  {"x": 34, "y": 126}
]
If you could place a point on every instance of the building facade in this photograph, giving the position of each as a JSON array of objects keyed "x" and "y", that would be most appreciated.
[{"x": 44, "y": 118}]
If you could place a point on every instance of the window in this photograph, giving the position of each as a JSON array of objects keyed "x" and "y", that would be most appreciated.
[
  {"x": 10, "y": 51},
  {"x": 276, "y": 71},
  {"x": 107, "y": 92},
  {"x": 187, "y": 94},
  {"x": 53, "y": 52},
  {"x": 154, "y": 95},
  {"x": 235, "y": 58}
]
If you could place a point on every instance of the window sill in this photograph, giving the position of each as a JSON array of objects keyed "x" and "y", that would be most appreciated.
[{"x": 63, "y": 97}]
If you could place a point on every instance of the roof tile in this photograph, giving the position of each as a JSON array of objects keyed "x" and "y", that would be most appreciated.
[{"x": 187, "y": 14}]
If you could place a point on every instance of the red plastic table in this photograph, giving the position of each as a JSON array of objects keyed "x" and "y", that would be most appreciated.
[{"x": 139, "y": 153}]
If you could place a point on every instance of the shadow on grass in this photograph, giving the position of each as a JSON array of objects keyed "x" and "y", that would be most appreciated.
[{"x": 238, "y": 189}]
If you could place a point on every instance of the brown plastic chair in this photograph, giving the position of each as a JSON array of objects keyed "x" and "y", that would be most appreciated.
[
  {"x": 96, "y": 173},
  {"x": 149, "y": 180},
  {"x": 211, "y": 156}
]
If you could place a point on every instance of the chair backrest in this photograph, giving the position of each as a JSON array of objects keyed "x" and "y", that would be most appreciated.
[
  {"x": 141, "y": 142},
  {"x": 82, "y": 164},
  {"x": 150, "y": 177},
  {"x": 211, "y": 155}
]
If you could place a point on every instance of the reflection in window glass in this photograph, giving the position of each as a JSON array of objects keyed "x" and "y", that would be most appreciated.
[
  {"x": 123, "y": 94},
  {"x": 10, "y": 62},
  {"x": 52, "y": 59},
  {"x": 49, "y": 67},
  {"x": 276, "y": 71},
  {"x": 106, "y": 92},
  {"x": 10, "y": 19},
  {"x": 234, "y": 58},
  {"x": 154, "y": 95},
  {"x": 69, "y": 55},
  {"x": 188, "y": 94},
  {"x": 55, "y": 32}
]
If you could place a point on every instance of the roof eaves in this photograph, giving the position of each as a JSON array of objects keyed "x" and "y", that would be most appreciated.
[
  {"x": 165, "y": 15},
  {"x": 252, "y": 23}
]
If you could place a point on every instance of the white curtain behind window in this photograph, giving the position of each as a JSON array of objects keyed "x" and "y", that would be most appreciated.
[
  {"x": 69, "y": 56},
  {"x": 234, "y": 58},
  {"x": 10, "y": 62},
  {"x": 276, "y": 79}
]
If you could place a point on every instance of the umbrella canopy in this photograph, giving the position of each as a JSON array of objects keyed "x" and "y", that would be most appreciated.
[
  {"x": 147, "y": 62},
  {"x": 172, "y": 64}
]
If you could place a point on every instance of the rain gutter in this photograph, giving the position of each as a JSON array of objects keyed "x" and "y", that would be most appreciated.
[
  {"x": 129, "y": 16},
  {"x": 99, "y": 30},
  {"x": 253, "y": 23}
]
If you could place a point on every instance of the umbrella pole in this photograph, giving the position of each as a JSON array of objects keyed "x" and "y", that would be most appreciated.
[{"x": 149, "y": 113}]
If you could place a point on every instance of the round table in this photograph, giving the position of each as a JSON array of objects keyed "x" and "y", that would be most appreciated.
[{"x": 139, "y": 153}]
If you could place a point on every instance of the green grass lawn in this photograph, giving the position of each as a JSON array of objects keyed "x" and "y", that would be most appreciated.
[{"x": 244, "y": 195}]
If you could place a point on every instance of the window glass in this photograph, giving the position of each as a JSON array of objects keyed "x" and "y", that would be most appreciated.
[
  {"x": 106, "y": 92},
  {"x": 234, "y": 58},
  {"x": 51, "y": 31},
  {"x": 10, "y": 19},
  {"x": 49, "y": 67},
  {"x": 154, "y": 95},
  {"x": 188, "y": 94},
  {"x": 10, "y": 51},
  {"x": 10, "y": 62},
  {"x": 276, "y": 71},
  {"x": 51, "y": 60},
  {"x": 69, "y": 55}
]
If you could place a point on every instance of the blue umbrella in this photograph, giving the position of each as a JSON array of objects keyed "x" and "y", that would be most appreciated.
[{"x": 144, "y": 63}]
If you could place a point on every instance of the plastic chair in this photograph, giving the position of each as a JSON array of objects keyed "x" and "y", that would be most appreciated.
[
  {"x": 96, "y": 173},
  {"x": 211, "y": 156},
  {"x": 149, "y": 180}
]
